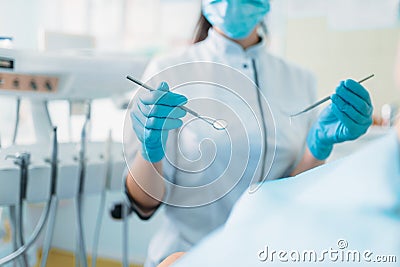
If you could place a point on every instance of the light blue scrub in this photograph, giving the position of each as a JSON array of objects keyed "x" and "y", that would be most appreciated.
[{"x": 355, "y": 199}]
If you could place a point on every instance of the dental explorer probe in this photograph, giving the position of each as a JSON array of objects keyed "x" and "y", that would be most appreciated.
[
  {"x": 218, "y": 124},
  {"x": 325, "y": 99},
  {"x": 53, "y": 199}
]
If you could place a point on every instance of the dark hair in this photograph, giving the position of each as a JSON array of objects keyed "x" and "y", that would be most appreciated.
[{"x": 201, "y": 30}]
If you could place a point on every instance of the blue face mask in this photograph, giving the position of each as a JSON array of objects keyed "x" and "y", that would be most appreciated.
[{"x": 235, "y": 18}]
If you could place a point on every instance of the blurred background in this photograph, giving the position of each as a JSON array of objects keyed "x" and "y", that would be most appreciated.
[{"x": 335, "y": 39}]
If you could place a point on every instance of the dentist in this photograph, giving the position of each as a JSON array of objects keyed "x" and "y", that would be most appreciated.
[{"x": 228, "y": 33}]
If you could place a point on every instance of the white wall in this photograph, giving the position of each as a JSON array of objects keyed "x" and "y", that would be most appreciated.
[
  {"x": 117, "y": 25},
  {"x": 340, "y": 39},
  {"x": 335, "y": 55},
  {"x": 20, "y": 19}
]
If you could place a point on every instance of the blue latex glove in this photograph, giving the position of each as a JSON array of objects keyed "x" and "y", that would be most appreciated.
[
  {"x": 346, "y": 118},
  {"x": 153, "y": 115}
]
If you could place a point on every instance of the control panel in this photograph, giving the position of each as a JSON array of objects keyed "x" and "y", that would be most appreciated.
[
  {"x": 19, "y": 82},
  {"x": 67, "y": 75}
]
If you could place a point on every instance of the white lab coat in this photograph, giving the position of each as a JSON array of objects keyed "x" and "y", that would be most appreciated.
[{"x": 233, "y": 158}]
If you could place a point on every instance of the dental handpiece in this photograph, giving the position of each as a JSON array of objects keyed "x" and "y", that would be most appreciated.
[
  {"x": 54, "y": 161},
  {"x": 35, "y": 234},
  {"x": 81, "y": 247},
  {"x": 53, "y": 198},
  {"x": 103, "y": 196},
  {"x": 23, "y": 160},
  {"x": 50, "y": 205},
  {"x": 218, "y": 124}
]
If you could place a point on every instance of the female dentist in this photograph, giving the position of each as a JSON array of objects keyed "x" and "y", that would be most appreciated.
[{"x": 228, "y": 34}]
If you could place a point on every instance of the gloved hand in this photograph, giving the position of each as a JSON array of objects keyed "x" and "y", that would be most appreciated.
[
  {"x": 346, "y": 118},
  {"x": 153, "y": 115}
]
